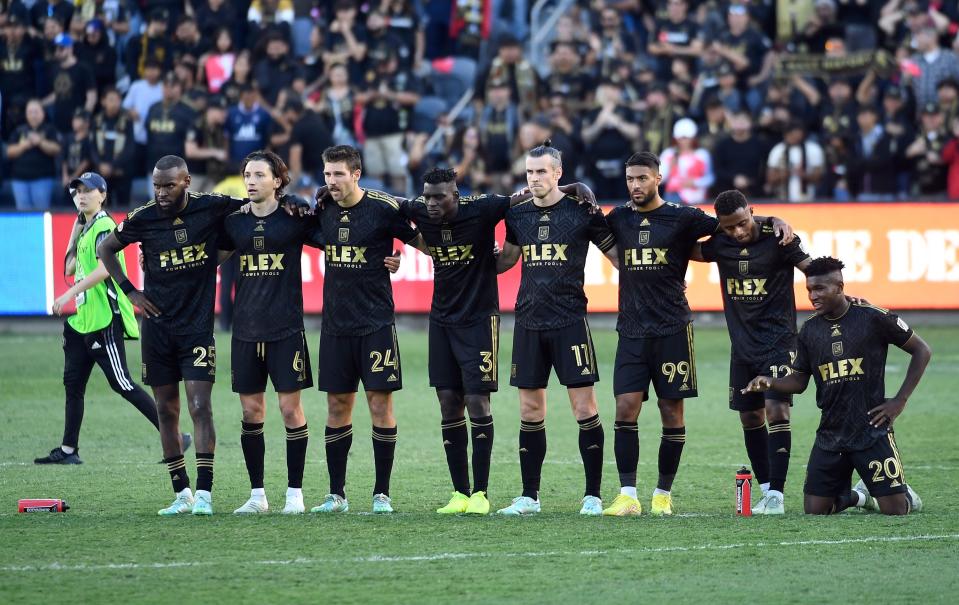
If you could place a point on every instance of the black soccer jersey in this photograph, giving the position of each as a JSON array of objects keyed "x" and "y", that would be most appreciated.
[
  {"x": 847, "y": 359},
  {"x": 269, "y": 286},
  {"x": 554, "y": 242},
  {"x": 357, "y": 295},
  {"x": 654, "y": 251},
  {"x": 464, "y": 267},
  {"x": 180, "y": 254},
  {"x": 758, "y": 297}
]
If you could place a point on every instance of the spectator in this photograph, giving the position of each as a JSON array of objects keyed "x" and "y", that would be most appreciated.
[
  {"x": 59, "y": 10},
  {"x": 143, "y": 94},
  {"x": 560, "y": 125},
  {"x": 498, "y": 125},
  {"x": 388, "y": 99},
  {"x": 310, "y": 136},
  {"x": 838, "y": 112},
  {"x": 217, "y": 65},
  {"x": 872, "y": 173},
  {"x": 727, "y": 90},
  {"x": 73, "y": 84},
  {"x": 96, "y": 52},
  {"x": 947, "y": 94},
  {"x": 687, "y": 171},
  {"x": 932, "y": 64},
  {"x": 795, "y": 166},
  {"x": 32, "y": 151},
  {"x": 271, "y": 17},
  {"x": 187, "y": 41},
  {"x": 247, "y": 125},
  {"x": 113, "y": 14},
  {"x": 277, "y": 71},
  {"x": 926, "y": 152},
  {"x": 567, "y": 78},
  {"x": 206, "y": 147},
  {"x": 608, "y": 134},
  {"x": 242, "y": 76},
  {"x": 152, "y": 44},
  {"x": 115, "y": 147},
  {"x": 747, "y": 51},
  {"x": 658, "y": 119},
  {"x": 465, "y": 154},
  {"x": 676, "y": 38},
  {"x": 510, "y": 66},
  {"x": 898, "y": 124},
  {"x": 822, "y": 26},
  {"x": 78, "y": 154},
  {"x": 739, "y": 157},
  {"x": 21, "y": 52},
  {"x": 346, "y": 40},
  {"x": 713, "y": 127},
  {"x": 404, "y": 23},
  {"x": 213, "y": 15},
  {"x": 834, "y": 184},
  {"x": 314, "y": 69},
  {"x": 612, "y": 42},
  {"x": 950, "y": 157},
  {"x": 337, "y": 106},
  {"x": 380, "y": 39},
  {"x": 571, "y": 31},
  {"x": 167, "y": 124}
]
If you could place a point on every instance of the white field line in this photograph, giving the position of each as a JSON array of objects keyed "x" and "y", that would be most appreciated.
[{"x": 480, "y": 555}]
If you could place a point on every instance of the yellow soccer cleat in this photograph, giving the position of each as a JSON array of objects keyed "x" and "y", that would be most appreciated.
[
  {"x": 624, "y": 506},
  {"x": 457, "y": 504},
  {"x": 478, "y": 504},
  {"x": 662, "y": 505}
]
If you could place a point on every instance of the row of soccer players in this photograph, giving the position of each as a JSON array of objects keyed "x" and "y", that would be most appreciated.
[{"x": 550, "y": 229}]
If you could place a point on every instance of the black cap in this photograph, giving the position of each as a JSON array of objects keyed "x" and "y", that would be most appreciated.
[
  {"x": 81, "y": 113},
  {"x": 897, "y": 92},
  {"x": 91, "y": 180},
  {"x": 218, "y": 101},
  {"x": 160, "y": 14},
  {"x": 931, "y": 108}
]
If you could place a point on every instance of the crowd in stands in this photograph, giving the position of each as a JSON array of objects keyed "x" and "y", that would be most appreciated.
[{"x": 798, "y": 100}]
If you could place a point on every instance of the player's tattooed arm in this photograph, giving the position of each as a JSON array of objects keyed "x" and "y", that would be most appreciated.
[
  {"x": 508, "y": 257},
  {"x": 584, "y": 194},
  {"x": 420, "y": 244},
  {"x": 520, "y": 196},
  {"x": 107, "y": 252},
  {"x": 794, "y": 383},
  {"x": 920, "y": 353}
]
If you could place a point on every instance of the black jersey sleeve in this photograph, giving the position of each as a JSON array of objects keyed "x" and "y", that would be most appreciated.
[
  {"x": 600, "y": 233},
  {"x": 402, "y": 230},
  {"x": 131, "y": 229},
  {"x": 894, "y": 329},
  {"x": 794, "y": 252},
  {"x": 708, "y": 250},
  {"x": 496, "y": 206},
  {"x": 511, "y": 235},
  {"x": 802, "y": 362},
  {"x": 701, "y": 224}
]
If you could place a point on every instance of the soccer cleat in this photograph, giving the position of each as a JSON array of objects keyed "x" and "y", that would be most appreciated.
[
  {"x": 202, "y": 505},
  {"x": 662, "y": 505},
  {"x": 457, "y": 504},
  {"x": 761, "y": 505},
  {"x": 914, "y": 500},
  {"x": 182, "y": 504},
  {"x": 333, "y": 503},
  {"x": 478, "y": 504},
  {"x": 592, "y": 506},
  {"x": 871, "y": 503},
  {"x": 58, "y": 456},
  {"x": 624, "y": 506},
  {"x": 772, "y": 505},
  {"x": 382, "y": 505},
  {"x": 524, "y": 505},
  {"x": 255, "y": 505},
  {"x": 294, "y": 505}
]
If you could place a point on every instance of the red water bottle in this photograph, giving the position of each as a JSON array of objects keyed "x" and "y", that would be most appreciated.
[
  {"x": 744, "y": 484},
  {"x": 42, "y": 505}
]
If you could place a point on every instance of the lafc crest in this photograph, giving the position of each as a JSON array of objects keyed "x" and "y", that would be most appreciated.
[
  {"x": 837, "y": 349},
  {"x": 744, "y": 267},
  {"x": 259, "y": 243},
  {"x": 643, "y": 238},
  {"x": 447, "y": 235},
  {"x": 343, "y": 234},
  {"x": 180, "y": 235},
  {"x": 543, "y": 232}
]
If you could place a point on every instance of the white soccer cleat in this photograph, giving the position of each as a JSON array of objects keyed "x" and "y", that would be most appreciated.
[
  {"x": 871, "y": 503},
  {"x": 333, "y": 503},
  {"x": 592, "y": 506},
  {"x": 914, "y": 499},
  {"x": 382, "y": 505},
  {"x": 761, "y": 505},
  {"x": 521, "y": 506},
  {"x": 254, "y": 506},
  {"x": 294, "y": 505},
  {"x": 773, "y": 504},
  {"x": 182, "y": 504}
]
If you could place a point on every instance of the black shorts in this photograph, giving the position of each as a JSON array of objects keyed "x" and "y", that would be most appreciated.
[
  {"x": 569, "y": 350},
  {"x": 741, "y": 372},
  {"x": 668, "y": 361},
  {"x": 828, "y": 474},
  {"x": 169, "y": 358},
  {"x": 286, "y": 362},
  {"x": 374, "y": 358},
  {"x": 465, "y": 358}
]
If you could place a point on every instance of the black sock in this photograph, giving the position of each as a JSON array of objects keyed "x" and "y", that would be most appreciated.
[
  {"x": 482, "y": 434},
  {"x": 626, "y": 449},
  {"x": 532, "y": 452},
  {"x": 670, "y": 451},
  {"x": 204, "y": 471},
  {"x": 178, "y": 476},
  {"x": 591, "y": 440},
  {"x": 338, "y": 442},
  {"x": 757, "y": 448},
  {"x": 251, "y": 441},
  {"x": 296, "y": 441},
  {"x": 780, "y": 444},
  {"x": 455, "y": 442},
  {"x": 844, "y": 501},
  {"x": 384, "y": 445}
]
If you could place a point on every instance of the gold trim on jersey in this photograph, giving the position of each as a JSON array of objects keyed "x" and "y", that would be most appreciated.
[
  {"x": 494, "y": 328},
  {"x": 135, "y": 211},
  {"x": 871, "y": 306},
  {"x": 592, "y": 351},
  {"x": 387, "y": 199},
  {"x": 692, "y": 353}
]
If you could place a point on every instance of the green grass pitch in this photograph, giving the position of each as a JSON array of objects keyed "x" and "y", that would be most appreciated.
[{"x": 113, "y": 548}]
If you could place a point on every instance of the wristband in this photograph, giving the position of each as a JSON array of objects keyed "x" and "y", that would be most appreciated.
[{"x": 127, "y": 287}]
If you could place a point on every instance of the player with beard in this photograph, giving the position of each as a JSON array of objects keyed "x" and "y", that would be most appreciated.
[
  {"x": 655, "y": 240},
  {"x": 844, "y": 347}
]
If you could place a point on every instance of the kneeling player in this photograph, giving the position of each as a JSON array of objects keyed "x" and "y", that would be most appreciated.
[{"x": 844, "y": 347}]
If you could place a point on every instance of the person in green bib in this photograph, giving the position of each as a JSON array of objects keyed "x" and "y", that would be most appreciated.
[{"x": 104, "y": 318}]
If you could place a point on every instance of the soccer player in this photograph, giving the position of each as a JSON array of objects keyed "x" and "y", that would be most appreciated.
[
  {"x": 464, "y": 322},
  {"x": 358, "y": 338},
  {"x": 178, "y": 234},
  {"x": 844, "y": 346},
  {"x": 655, "y": 241},
  {"x": 104, "y": 318},
  {"x": 756, "y": 278},
  {"x": 552, "y": 233}
]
